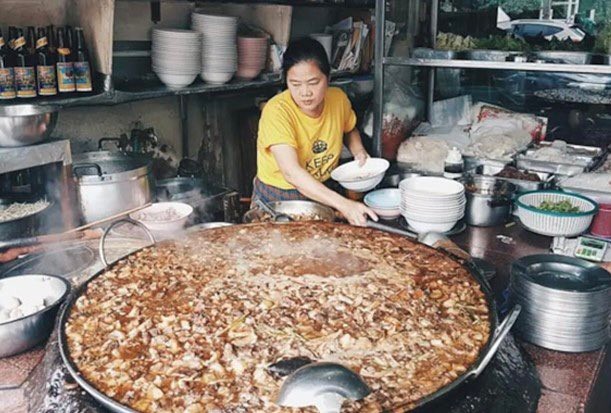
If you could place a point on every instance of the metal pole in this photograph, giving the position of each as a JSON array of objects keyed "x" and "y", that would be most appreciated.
[
  {"x": 430, "y": 93},
  {"x": 378, "y": 73},
  {"x": 184, "y": 125}
]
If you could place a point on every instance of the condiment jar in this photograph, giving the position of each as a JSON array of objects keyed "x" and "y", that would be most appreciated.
[{"x": 454, "y": 165}]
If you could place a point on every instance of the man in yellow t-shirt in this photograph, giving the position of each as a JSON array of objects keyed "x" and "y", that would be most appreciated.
[{"x": 301, "y": 133}]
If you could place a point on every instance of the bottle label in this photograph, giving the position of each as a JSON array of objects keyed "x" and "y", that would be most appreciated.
[
  {"x": 47, "y": 84},
  {"x": 17, "y": 43},
  {"x": 65, "y": 77},
  {"x": 25, "y": 82},
  {"x": 41, "y": 42},
  {"x": 7, "y": 83},
  {"x": 64, "y": 51},
  {"x": 1, "y": 41},
  {"x": 82, "y": 76}
]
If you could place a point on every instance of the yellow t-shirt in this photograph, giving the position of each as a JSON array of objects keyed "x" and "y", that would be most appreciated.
[{"x": 318, "y": 141}]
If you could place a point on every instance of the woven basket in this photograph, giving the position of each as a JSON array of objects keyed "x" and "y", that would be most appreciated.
[{"x": 555, "y": 224}]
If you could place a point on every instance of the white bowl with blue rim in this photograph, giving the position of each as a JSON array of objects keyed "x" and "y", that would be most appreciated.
[{"x": 386, "y": 203}]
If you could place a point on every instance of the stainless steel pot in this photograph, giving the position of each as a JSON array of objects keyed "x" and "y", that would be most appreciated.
[
  {"x": 488, "y": 200},
  {"x": 23, "y": 125},
  {"x": 24, "y": 333},
  {"x": 109, "y": 183}
]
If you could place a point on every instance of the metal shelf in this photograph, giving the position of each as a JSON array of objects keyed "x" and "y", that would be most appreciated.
[
  {"x": 300, "y": 3},
  {"x": 478, "y": 64},
  {"x": 136, "y": 91},
  {"x": 23, "y": 157}
]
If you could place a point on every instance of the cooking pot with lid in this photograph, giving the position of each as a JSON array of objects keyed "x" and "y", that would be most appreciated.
[
  {"x": 109, "y": 183},
  {"x": 488, "y": 200}
]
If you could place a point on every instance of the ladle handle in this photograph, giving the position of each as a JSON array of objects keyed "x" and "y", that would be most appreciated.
[
  {"x": 107, "y": 230},
  {"x": 500, "y": 335},
  {"x": 386, "y": 228}
]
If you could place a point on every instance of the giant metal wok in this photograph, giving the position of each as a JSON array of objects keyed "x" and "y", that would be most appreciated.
[{"x": 498, "y": 333}]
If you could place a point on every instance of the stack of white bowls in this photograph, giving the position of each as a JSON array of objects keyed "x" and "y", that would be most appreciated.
[
  {"x": 176, "y": 56},
  {"x": 432, "y": 204},
  {"x": 252, "y": 55},
  {"x": 219, "y": 49}
]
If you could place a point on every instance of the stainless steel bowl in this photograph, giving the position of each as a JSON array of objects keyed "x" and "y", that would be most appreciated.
[
  {"x": 295, "y": 209},
  {"x": 24, "y": 125},
  {"x": 24, "y": 333}
]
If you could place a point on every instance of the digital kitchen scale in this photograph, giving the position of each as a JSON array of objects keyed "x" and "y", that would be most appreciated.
[{"x": 591, "y": 249}]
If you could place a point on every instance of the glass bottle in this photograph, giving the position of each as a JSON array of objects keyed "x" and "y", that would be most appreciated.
[
  {"x": 31, "y": 40},
  {"x": 12, "y": 35},
  {"x": 7, "y": 74},
  {"x": 64, "y": 66},
  {"x": 25, "y": 74},
  {"x": 51, "y": 38},
  {"x": 45, "y": 66},
  {"x": 82, "y": 67}
]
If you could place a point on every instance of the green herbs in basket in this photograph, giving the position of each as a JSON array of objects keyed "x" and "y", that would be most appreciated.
[{"x": 560, "y": 206}]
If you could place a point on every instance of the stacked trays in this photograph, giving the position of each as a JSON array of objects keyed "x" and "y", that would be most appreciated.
[
  {"x": 565, "y": 302},
  {"x": 252, "y": 55},
  {"x": 431, "y": 204},
  {"x": 219, "y": 50},
  {"x": 176, "y": 56}
]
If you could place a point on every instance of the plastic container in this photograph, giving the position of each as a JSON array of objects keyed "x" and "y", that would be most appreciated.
[
  {"x": 555, "y": 224},
  {"x": 454, "y": 164},
  {"x": 601, "y": 225}
]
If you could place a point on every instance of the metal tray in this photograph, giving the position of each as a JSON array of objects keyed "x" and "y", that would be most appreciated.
[
  {"x": 522, "y": 162},
  {"x": 579, "y": 151},
  {"x": 586, "y": 158},
  {"x": 522, "y": 185}
]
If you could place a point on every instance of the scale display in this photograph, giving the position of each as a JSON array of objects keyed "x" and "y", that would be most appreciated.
[{"x": 590, "y": 249}]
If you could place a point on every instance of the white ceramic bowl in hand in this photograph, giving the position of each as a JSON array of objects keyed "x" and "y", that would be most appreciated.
[
  {"x": 361, "y": 178},
  {"x": 164, "y": 216}
]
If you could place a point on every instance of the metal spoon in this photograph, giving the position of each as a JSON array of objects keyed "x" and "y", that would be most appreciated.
[
  {"x": 322, "y": 385},
  {"x": 276, "y": 216}
]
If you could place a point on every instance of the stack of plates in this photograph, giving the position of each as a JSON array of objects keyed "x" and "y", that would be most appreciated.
[
  {"x": 176, "y": 56},
  {"x": 431, "y": 204},
  {"x": 219, "y": 50},
  {"x": 252, "y": 55},
  {"x": 565, "y": 302}
]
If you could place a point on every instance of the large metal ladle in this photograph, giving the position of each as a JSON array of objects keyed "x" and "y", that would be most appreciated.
[{"x": 323, "y": 385}]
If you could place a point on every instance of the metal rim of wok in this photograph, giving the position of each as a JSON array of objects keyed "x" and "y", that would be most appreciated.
[{"x": 497, "y": 334}]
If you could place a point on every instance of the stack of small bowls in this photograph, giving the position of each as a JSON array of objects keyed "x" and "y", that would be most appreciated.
[
  {"x": 176, "y": 56},
  {"x": 219, "y": 50},
  {"x": 252, "y": 55},
  {"x": 432, "y": 204}
]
